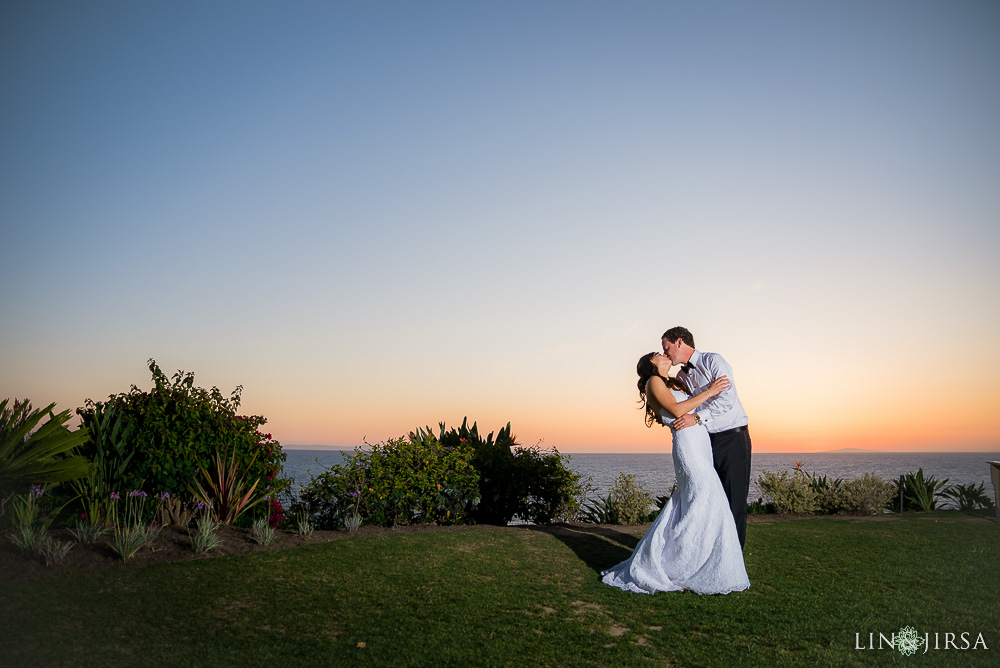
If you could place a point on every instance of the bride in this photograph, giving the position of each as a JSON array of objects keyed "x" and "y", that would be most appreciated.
[{"x": 693, "y": 544}]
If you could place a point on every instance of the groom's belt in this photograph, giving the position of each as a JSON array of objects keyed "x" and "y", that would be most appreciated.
[{"x": 734, "y": 430}]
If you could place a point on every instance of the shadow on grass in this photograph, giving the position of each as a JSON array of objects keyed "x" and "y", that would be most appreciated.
[{"x": 600, "y": 547}]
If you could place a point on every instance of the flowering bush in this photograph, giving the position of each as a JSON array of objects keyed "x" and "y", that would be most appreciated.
[
  {"x": 176, "y": 427},
  {"x": 275, "y": 513}
]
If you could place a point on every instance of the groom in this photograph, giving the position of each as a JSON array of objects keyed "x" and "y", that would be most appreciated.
[{"x": 722, "y": 415}]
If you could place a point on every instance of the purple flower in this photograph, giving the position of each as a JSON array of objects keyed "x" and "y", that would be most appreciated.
[
  {"x": 37, "y": 490},
  {"x": 164, "y": 496},
  {"x": 200, "y": 506},
  {"x": 356, "y": 494},
  {"x": 137, "y": 492},
  {"x": 114, "y": 496}
]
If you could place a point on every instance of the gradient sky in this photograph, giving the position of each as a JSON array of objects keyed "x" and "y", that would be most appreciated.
[{"x": 376, "y": 216}]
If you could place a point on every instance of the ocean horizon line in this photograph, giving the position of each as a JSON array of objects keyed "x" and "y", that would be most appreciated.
[{"x": 838, "y": 451}]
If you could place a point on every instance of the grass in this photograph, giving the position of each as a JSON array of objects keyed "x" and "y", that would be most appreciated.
[{"x": 526, "y": 596}]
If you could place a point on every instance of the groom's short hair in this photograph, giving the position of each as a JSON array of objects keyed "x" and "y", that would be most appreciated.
[{"x": 681, "y": 333}]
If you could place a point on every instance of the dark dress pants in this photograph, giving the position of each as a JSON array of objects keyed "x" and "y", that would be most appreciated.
[{"x": 731, "y": 456}]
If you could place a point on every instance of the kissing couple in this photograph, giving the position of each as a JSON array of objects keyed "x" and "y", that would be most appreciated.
[{"x": 696, "y": 542}]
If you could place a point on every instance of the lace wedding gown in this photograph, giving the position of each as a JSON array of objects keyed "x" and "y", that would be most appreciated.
[{"x": 693, "y": 542}]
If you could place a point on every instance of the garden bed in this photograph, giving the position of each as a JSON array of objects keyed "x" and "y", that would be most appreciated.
[{"x": 172, "y": 545}]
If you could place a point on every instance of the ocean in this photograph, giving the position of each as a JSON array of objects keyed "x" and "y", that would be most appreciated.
[{"x": 656, "y": 470}]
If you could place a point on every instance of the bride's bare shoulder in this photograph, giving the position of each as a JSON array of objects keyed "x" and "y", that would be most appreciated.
[{"x": 655, "y": 381}]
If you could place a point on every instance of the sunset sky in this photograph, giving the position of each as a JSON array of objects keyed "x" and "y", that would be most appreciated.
[{"x": 381, "y": 215}]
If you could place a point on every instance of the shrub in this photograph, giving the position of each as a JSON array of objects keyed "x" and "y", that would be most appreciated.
[
  {"x": 547, "y": 489},
  {"x": 867, "y": 495},
  {"x": 630, "y": 500},
  {"x": 789, "y": 493},
  {"x": 758, "y": 507},
  {"x": 177, "y": 427},
  {"x": 627, "y": 502},
  {"x": 402, "y": 481},
  {"x": 499, "y": 493},
  {"x": 531, "y": 483}
]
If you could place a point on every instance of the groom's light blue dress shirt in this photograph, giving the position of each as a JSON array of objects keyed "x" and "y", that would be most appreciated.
[{"x": 720, "y": 412}]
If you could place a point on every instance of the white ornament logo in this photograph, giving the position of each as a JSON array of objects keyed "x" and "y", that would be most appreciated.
[{"x": 907, "y": 641}]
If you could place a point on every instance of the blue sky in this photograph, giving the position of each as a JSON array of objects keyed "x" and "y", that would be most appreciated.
[{"x": 380, "y": 215}]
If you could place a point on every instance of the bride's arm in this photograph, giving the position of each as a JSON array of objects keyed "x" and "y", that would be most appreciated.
[{"x": 656, "y": 388}]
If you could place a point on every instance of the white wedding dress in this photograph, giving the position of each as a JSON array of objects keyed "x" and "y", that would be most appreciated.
[{"x": 693, "y": 544}]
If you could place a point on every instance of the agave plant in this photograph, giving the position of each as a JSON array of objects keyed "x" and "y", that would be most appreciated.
[
  {"x": 828, "y": 493},
  {"x": 922, "y": 492},
  {"x": 33, "y": 454},
  {"x": 968, "y": 497},
  {"x": 600, "y": 511},
  {"x": 227, "y": 493}
]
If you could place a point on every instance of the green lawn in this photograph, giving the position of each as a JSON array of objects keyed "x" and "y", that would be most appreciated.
[{"x": 525, "y": 596}]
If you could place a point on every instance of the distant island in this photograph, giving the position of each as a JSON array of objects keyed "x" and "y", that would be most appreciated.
[{"x": 849, "y": 450}]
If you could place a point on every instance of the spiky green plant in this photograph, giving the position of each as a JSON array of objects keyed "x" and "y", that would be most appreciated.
[
  {"x": 262, "y": 531},
  {"x": 968, "y": 497},
  {"x": 302, "y": 520},
  {"x": 54, "y": 551},
  {"x": 921, "y": 493},
  {"x": 86, "y": 532},
  {"x": 599, "y": 511},
  {"x": 38, "y": 454},
  {"x": 227, "y": 493},
  {"x": 352, "y": 521},
  {"x": 108, "y": 449},
  {"x": 204, "y": 537}
]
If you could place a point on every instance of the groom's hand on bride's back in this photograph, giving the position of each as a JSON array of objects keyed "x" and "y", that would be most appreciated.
[
  {"x": 718, "y": 386},
  {"x": 686, "y": 420}
]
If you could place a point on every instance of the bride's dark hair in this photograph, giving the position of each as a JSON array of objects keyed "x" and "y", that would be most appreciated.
[{"x": 646, "y": 370}]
